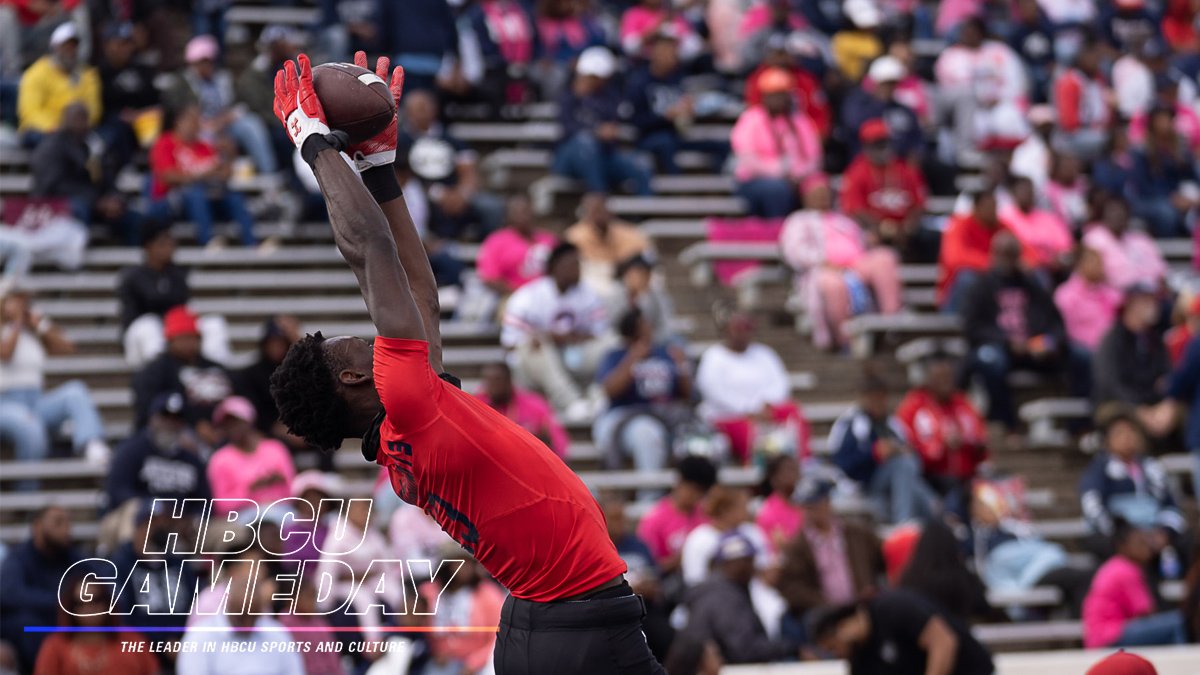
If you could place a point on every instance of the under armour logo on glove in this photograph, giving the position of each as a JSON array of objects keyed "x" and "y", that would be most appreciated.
[{"x": 296, "y": 102}]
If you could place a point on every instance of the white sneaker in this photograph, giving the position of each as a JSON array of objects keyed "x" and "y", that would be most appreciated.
[
  {"x": 579, "y": 412},
  {"x": 97, "y": 452}
]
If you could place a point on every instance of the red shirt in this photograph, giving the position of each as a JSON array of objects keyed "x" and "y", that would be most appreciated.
[
  {"x": 928, "y": 421},
  {"x": 493, "y": 487},
  {"x": 171, "y": 154},
  {"x": 966, "y": 245},
  {"x": 890, "y": 192},
  {"x": 809, "y": 95}
]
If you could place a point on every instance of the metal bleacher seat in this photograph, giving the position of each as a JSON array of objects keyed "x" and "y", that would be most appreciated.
[{"x": 544, "y": 190}]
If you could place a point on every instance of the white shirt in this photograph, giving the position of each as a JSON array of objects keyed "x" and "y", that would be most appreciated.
[
  {"x": 254, "y": 660},
  {"x": 539, "y": 307},
  {"x": 1031, "y": 159},
  {"x": 26, "y": 368},
  {"x": 736, "y": 385},
  {"x": 695, "y": 558}
]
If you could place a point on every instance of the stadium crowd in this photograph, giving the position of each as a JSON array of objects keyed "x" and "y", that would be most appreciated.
[{"x": 1078, "y": 121}]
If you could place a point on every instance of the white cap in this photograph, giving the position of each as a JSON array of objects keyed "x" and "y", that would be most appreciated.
[
  {"x": 63, "y": 33},
  {"x": 864, "y": 13},
  {"x": 886, "y": 69},
  {"x": 596, "y": 61}
]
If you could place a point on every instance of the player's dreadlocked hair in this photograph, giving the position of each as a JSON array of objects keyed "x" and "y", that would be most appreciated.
[{"x": 306, "y": 394}]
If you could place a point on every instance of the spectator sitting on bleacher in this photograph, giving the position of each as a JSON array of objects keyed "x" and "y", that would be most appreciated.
[
  {"x": 1131, "y": 364},
  {"x": 254, "y": 381},
  {"x": 1130, "y": 256},
  {"x": 746, "y": 394},
  {"x": 1032, "y": 38},
  {"x": 530, "y": 411},
  {"x": 53, "y": 82},
  {"x": 590, "y": 113},
  {"x": 784, "y": 23},
  {"x": 565, "y": 29},
  {"x": 558, "y": 331},
  {"x": 830, "y": 561},
  {"x": 884, "y": 189},
  {"x": 254, "y": 88},
  {"x": 28, "y": 412},
  {"x": 30, "y": 577},
  {"x": 965, "y": 250},
  {"x": 477, "y": 600},
  {"x": 498, "y": 44},
  {"x": 875, "y": 99},
  {"x": 113, "y": 651},
  {"x": 636, "y": 286},
  {"x": 867, "y": 443},
  {"x": 1112, "y": 171},
  {"x": 1067, "y": 191},
  {"x": 648, "y": 386},
  {"x": 779, "y": 516},
  {"x": 646, "y": 18},
  {"x": 190, "y": 175},
  {"x": 422, "y": 37},
  {"x": 1164, "y": 187},
  {"x": 776, "y": 146},
  {"x": 1183, "y": 397},
  {"x": 1033, "y": 156},
  {"x": 642, "y": 574},
  {"x": 727, "y": 510},
  {"x": 604, "y": 243},
  {"x": 1089, "y": 307},
  {"x": 1083, "y": 103},
  {"x": 1134, "y": 73},
  {"x": 1010, "y": 322},
  {"x": 251, "y": 466},
  {"x": 857, "y": 43},
  {"x": 810, "y": 96},
  {"x": 211, "y": 90},
  {"x": 1187, "y": 326},
  {"x": 182, "y": 368},
  {"x": 1119, "y": 608},
  {"x": 64, "y": 167},
  {"x": 1046, "y": 241},
  {"x": 131, "y": 101},
  {"x": 947, "y": 432},
  {"x": 666, "y": 525},
  {"x": 515, "y": 254},
  {"x": 1123, "y": 482},
  {"x": 1187, "y": 123},
  {"x": 838, "y": 273}
]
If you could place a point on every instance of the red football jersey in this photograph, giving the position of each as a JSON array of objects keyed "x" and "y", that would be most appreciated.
[{"x": 493, "y": 487}]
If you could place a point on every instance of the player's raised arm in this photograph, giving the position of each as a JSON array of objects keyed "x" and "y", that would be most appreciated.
[
  {"x": 375, "y": 160},
  {"x": 360, "y": 229}
]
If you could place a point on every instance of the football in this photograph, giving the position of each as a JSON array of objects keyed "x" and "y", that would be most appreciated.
[{"x": 355, "y": 100}]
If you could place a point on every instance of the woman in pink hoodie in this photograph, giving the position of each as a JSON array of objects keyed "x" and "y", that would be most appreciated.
[
  {"x": 776, "y": 147},
  {"x": 469, "y": 599}
]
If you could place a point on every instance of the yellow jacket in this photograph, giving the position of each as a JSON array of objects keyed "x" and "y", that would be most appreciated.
[{"x": 45, "y": 90}]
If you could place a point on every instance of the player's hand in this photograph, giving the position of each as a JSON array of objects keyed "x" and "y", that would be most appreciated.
[
  {"x": 380, "y": 150},
  {"x": 296, "y": 102}
]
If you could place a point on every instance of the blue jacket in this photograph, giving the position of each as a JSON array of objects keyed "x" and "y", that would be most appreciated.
[
  {"x": 902, "y": 123},
  {"x": 577, "y": 114},
  {"x": 424, "y": 27},
  {"x": 1151, "y": 181},
  {"x": 29, "y": 595},
  {"x": 1185, "y": 388},
  {"x": 651, "y": 98},
  {"x": 141, "y": 470},
  {"x": 1106, "y": 482},
  {"x": 474, "y": 20},
  {"x": 852, "y": 440}
]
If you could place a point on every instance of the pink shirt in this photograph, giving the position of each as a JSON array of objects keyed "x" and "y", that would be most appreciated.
[
  {"x": 758, "y": 17},
  {"x": 534, "y": 415},
  {"x": 779, "y": 519},
  {"x": 232, "y": 474},
  {"x": 1043, "y": 235},
  {"x": 639, "y": 22},
  {"x": 1088, "y": 310},
  {"x": 767, "y": 147},
  {"x": 1187, "y": 125},
  {"x": 810, "y": 239},
  {"x": 1118, "y": 593},
  {"x": 1134, "y": 258},
  {"x": 829, "y": 553},
  {"x": 664, "y": 528},
  {"x": 508, "y": 257}
]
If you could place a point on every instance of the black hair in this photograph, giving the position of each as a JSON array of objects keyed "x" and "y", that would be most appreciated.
[
  {"x": 638, "y": 260},
  {"x": 774, "y": 466},
  {"x": 936, "y": 570},
  {"x": 502, "y": 365},
  {"x": 698, "y": 471},
  {"x": 977, "y": 195},
  {"x": 560, "y": 251},
  {"x": 1122, "y": 531},
  {"x": 306, "y": 394},
  {"x": 152, "y": 229},
  {"x": 978, "y": 23},
  {"x": 826, "y": 620},
  {"x": 873, "y": 384},
  {"x": 628, "y": 325},
  {"x": 171, "y": 114},
  {"x": 686, "y": 654}
]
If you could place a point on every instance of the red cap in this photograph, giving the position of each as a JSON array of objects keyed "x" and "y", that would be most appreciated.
[
  {"x": 775, "y": 81},
  {"x": 1122, "y": 663},
  {"x": 873, "y": 130},
  {"x": 179, "y": 321}
]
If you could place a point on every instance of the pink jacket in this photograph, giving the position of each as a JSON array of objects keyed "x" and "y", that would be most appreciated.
[
  {"x": 638, "y": 23},
  {"x": 767, "y": 147},
  {"x": 1043, "y": 235},
  {"x": 1088, "y": 310},
  {"x": 1134, "y": 258},
  {"x": 1119, "y": 593}
]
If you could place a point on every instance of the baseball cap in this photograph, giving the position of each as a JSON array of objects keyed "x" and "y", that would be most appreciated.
[
  {"x": 278, "y": 33},
  {"x": 863, "y": 13},
  {"x": 328, "y": 483},
  {"x": 237, "y": 407},
  {"x": 169, "y": 403},
  {"x": 815, "y": 491},
  {"x": 886, "y": 69},
  {"x": 1153, "y": 48},
  {"x": 1130, "y": 4},
  {"x": 1139, "y": 288},
  {"x": 119, "y": 30},
  {"x": 596, "y": 61},
  {"x": 775, "y": 80},
  {"x": 202, "y": 47},
  {"x": 873, "y": 130},
  {"x": 64, "y": 33},
  {"x": 179, "y": 320},
  {"x": 733, "y": 546},
  {"x": 1122, "y": 663}
]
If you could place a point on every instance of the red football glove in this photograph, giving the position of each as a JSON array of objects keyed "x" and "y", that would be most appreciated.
[
  {"x": 380, "y": 150},
  {"x": 296, "y": 103}
]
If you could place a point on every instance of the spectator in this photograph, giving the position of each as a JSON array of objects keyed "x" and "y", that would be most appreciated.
[
  {"x": 424, "y": 40},
  {"x": 558, "y": 331},
  {"x": 1187, "y": 123},
  {"x": 883, "y": 189},
  {"x": 946, "y": 431},
  {"x": 720, "y": 609},
  {"x": 746, "y": 393},
  {"x": 191, "y": 175},
  {"x": 1046, "y": 241},
  {"x": 30, "y": 577},
  {"x": 728, "y": 510},
  {"x": 130, "y": 99},
  {"x": 838, "y": 275},
  {"x": 211, "y": 90},
  {"x": 254, "y": 88},
  {"x": 1184, "y": 391},
  {"x": 1163, "y": 190},
  {"x": 1082, "y": 104},
  {"x": 28, "y": 412},
  {"x": 857, "y": 44},
  {"x": 104, "y": 652},
  {"x": 1124, "y": 23},
  {"x": 645, "y": 18},
  {"x": 1010, "y": 322},
  {"x": 1180, "y": 336},
  {"x": 1032, "y": 38},
  {"x": 498, "y": 44},
  {"x": 359, "y": 548},
  {"x": 780, "y": 20},
  {"x": 182, "y": 368},
  {"x": 1066, "y": 193},
  {"x": 875, "y": 99},
  {"x": 1114, "y": 170},
  {"x": 1032, "y": 157},
  {"x": 636, "y": 286},
  {"x": 565, "y": 29},
  {"x": 869, "y": 447},
  {"x": 590, "y": 114},
  {"x": 1118, "y": 611},
  {"x": 459, "y": 210},
  {"x": 477, "y": 601},
  {"x": 1131, "y": 364},
  {"x": 254, "y": 381},
  {"x": 693, "y": 655},
  {"x": 829, "y": 561},
  {"x": 966, "y": 246},
  {"x": 900, "y": 632},
  {"x": 251, "y": 466},
  {"x": 54, "y": 82},
  {"x": 530, "y": 411},
  {"x": 62, "y": 167},
  {"x": 1089, "y": 308},
  {"x": 779, "y": 517},
  {"x": 604, "y": 242},
  {"x": 912, "y": 91},
  {"x": 642, "y": 575},
  {"x": 648, "y": 386},
  {"x": 516, "y": 254},
  {"x": 936, "y": 570},
  {"x": 776, "y": 146},
  {"x": 667, "y": 524},
  {"x": 307, "y": 625},
  {"x": 1130, "y": 256},
  {"x": 1123, "y": 483},
  {"x": 1134, "y": 76},
  {"x": 1178, "y": 28},
  {"x": 808, "y": 93}
]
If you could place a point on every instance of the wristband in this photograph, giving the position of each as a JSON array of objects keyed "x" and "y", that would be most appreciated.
[
  {"x": 382, "y": 184},
  {"x": 315, "y": 144},
  {"x": 451, "y": 379}
]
